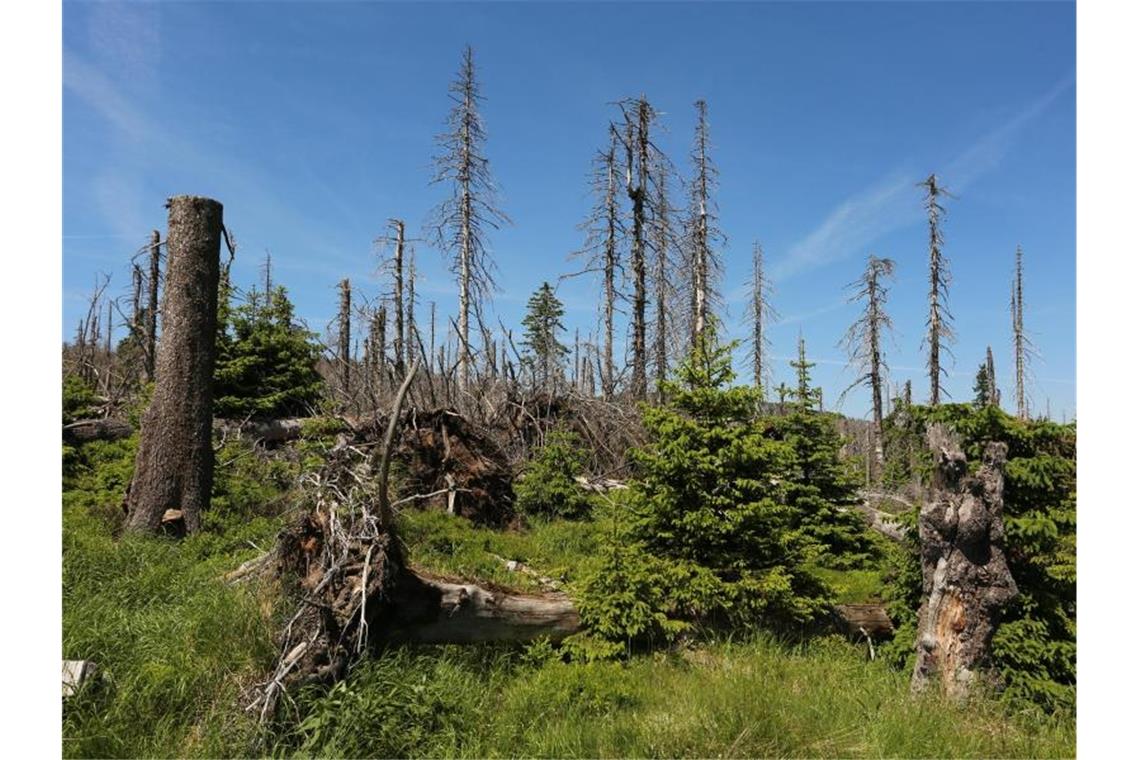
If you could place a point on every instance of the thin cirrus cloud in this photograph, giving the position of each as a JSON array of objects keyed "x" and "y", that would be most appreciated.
[{"x": 889, "y": 203}]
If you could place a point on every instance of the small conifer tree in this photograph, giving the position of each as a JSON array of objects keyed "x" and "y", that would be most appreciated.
[
  {"x": 267, "y": 363},
  {"x": 543, "y": 351}
]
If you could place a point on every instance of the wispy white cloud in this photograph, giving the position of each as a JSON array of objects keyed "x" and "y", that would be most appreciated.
[
  {"x": 890, "y": 204},
  {"x": 852, "y": 225}
]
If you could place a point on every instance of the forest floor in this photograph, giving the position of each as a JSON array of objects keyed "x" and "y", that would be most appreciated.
[{"x": 178, "y": 649}]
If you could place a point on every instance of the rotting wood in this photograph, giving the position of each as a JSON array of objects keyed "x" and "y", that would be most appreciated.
[{"x": 965, "y": 578}]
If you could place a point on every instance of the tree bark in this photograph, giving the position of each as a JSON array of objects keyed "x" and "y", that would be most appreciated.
[
  {"x": 965, "y": 579},
  {"x": 174, "y": 468}
]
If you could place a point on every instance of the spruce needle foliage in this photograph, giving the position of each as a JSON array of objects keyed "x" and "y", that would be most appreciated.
[
  {"x": 266, "y": 362},
  {"x": 713, "y": 498}
]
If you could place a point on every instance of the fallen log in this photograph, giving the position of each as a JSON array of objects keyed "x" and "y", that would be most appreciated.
[
  {"x": 883, "y": 522},
  {"x": 429, "y": 610},
  {"x": 859, "y": 621},
  {"x": 85, "y": 431}
]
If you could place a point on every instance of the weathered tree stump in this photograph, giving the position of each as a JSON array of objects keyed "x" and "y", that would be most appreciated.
[
  {"x": 174, "y": 468},
  {"x": 965, "y": 578}
]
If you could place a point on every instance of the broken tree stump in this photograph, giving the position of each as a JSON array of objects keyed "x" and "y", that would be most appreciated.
[
  {"x": 965, "y": 578},
  {"x": 174, "y": 467}
]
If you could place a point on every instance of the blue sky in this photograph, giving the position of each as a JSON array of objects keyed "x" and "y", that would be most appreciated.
[{"x": 314, "y": 123}]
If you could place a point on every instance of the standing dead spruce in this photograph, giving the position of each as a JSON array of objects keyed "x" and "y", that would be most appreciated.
[
  {"x": 965, "y": 579},
  {"x": 174, "y": 468}
]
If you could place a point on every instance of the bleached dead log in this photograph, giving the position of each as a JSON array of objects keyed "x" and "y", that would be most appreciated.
[
  {"x": 75, "y": 674},
  {"x": 599, "y": 485}
]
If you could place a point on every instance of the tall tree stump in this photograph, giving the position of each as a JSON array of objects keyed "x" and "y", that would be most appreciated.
[
  {"x": 965, "y": 579},
  {"x": 174, "y": 468}
]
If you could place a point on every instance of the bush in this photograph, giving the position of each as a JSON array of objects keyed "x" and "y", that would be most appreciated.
[
  {"x": 547, "y": 487},
  {"x": 713, "y": 498},
  {"x": 266, "y": 364}
]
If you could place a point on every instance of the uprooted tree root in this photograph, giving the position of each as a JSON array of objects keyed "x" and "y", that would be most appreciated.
[{"x": 354, "y": 590}]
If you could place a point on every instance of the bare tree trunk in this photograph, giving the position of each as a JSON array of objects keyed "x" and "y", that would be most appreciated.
[
  {"x": 938, "y": 321},
  {"x": 398, "y": 297},
  {"x": 174, "y": 468},
  {"x": 637, "y": 165},
  {"x": 1019, "y": 341},
  {"x": 152, "y": 308},
  {"x": 344, "y": 335},
  {"x": 965, "y": 579},
  {"x": 994, "y": 398}
]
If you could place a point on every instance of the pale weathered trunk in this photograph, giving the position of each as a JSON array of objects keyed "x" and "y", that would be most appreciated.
[
  {"x": 965, "y": 579},
  {"x": 174, "y": 468},
  {"x": 152, "y": 308}
]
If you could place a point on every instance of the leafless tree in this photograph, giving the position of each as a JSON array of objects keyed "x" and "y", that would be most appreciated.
[
  {"x": 665, "y": 250},
  {"x": 604, "y": 231},
  {"x": 344, "y": 334},
  {"x": 152, "y": 307},
  {"x": 760, "y": 314},
  {"x": 174, "y": 467},
  {"x": 991, "y": 380},
  {"x": 640, "y": 152},
  {"x": 864, "y": 342},
  {"x": 461, "y": 221},
  {"x": 939, "y": 333},
  {"x": 395, "y": 265},
  {"x": 702, "y": 232},
  {"x": 1023, "y": 348}
]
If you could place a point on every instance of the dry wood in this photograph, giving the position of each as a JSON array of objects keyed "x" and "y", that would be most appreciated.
[
  {"x": 965, "y": 579},
  {"x": 174, "y": 468}
]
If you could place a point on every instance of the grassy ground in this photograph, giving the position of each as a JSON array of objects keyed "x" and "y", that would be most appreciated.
[
  {"x": 178, "y": 648},
  {"x": 754, "y": 698}
]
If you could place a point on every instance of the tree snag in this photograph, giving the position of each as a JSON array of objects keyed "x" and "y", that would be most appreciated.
[
  {"x": 174, "y": 468},
  {"x": 965, "y": 579}
]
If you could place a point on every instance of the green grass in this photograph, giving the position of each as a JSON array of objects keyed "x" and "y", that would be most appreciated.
[
  {"x": 755, "y": 698},
  {"x": 177, "y": 649},
  {"x": 453, "y": 546}
]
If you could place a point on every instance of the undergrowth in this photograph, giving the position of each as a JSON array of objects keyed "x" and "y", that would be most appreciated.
[{"x": 752, "y": 698}]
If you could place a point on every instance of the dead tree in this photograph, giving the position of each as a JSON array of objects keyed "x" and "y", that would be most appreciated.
[
  {"x": 965, "y": 579},
  {"x": 1023, "y": 348},
  {"x": 152, "y": 308},
  {"x": 638, "y": 116},
  {"x": 174, "y": 467},
  {"x": 705, "y": 267},
  {"x": 410, "y": 333},
  {"x": 994, "y": 398},
  {"x": 760, "y": 313},
  {"x": 938, "y": 330},
  {"x": 864, "y": 343},
  {"x": 664, "y": 270},
  {"x": 461, "y": 221},
  {"x": 344, "y": 335},
  {"x": 396, "y": 266},
  {"x": 604, "y": 230}
]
